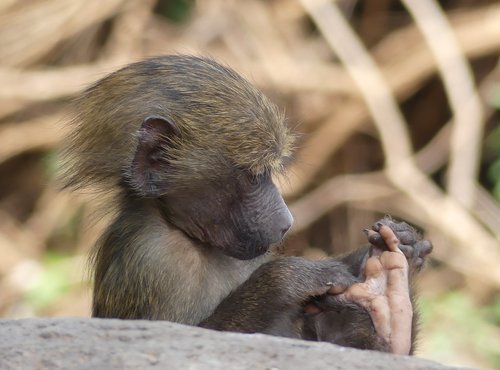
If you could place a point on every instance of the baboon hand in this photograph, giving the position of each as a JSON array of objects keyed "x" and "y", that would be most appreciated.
[
  {"x": 411, "y": 244},
  {"x": 385, "y": 292}
]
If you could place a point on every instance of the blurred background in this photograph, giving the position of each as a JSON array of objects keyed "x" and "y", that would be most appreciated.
[{"x": 396, "y": 104}]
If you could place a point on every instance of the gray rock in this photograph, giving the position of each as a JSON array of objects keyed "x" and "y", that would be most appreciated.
[{"x": 78, "y": 343}]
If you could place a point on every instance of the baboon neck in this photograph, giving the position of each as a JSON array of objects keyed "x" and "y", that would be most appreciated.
[{"x": 152, "y": 250}]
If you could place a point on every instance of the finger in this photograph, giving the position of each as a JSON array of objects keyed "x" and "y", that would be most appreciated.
[
  {"x": 336, "y": 289},
  {"x": 387, "y": 220},
  {"x": 390, "y": 239},
  {"x": 311, "y": 309},
  {"x": 375, "y": 238},
  {"x": 407, "y": 250},
  {"x": 424, "y": 248},
  {"x": 391, "y": 261},
  {"x": 404, "y": 232},
  {"x": 381, "y": 317},
  {"x": 373, "y": 267},
  {"x": 401, "y": 311},
  {"x": 408, "y": 237},
  {"x": 358, "y": 293},
  {"x": 399, "y": 226}
]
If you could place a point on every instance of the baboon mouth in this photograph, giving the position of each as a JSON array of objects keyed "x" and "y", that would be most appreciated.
[{"x": 247, "y": 252}]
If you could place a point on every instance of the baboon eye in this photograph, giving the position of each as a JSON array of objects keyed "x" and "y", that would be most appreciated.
[
  {"x": 252, "y": 178},
  {"x": 255, "y": 179}
]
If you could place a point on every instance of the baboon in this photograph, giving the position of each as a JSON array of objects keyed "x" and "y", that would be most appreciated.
[{"x": 190, "y": 148}]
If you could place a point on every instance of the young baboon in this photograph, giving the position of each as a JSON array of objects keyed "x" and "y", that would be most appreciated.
[{"x": 191, "y": 148}]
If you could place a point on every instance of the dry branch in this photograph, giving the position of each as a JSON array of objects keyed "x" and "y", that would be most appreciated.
[
  {"x": 410, "y": 64},
  {"x": 16, "y": 243},
  {"x": 125, "y": 41},
  {"x": 337, "y": 191},
  {"x": 464, "y": 100},
  {"x": 123, "y": 46},
  {"x": 25, "y": 39},
  {"x": 442, "y": 211},
  {"x": 16, "y": 138},
  {"x": 49, "y": 84},
  {"x": 53, "y": 209},
  {"x": 476, "y": 32}
]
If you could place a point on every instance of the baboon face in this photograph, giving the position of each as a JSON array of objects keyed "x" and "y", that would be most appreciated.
[
  {"x": 206, "y": 195},
  {"x": 242, "y": 215}
]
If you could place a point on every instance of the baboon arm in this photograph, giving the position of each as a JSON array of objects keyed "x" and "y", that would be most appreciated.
[{"x": 274, "y": 296}]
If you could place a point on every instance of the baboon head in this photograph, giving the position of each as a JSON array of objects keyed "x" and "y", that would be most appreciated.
[{"x": 198, "y": 139}]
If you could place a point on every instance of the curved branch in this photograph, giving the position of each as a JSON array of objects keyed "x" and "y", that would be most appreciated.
[
  {"x": 478, "y": 34},
  {"x": 442, "y": 211},
  {"x": 462, "y": 95}
]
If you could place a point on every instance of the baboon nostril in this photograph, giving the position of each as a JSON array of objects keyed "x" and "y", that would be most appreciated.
[
  {"x": 284, "y": 230},
  {"x": 287, "y": 222}
]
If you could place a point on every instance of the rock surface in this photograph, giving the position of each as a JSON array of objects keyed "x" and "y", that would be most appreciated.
[{"x": 78, "y": 343}]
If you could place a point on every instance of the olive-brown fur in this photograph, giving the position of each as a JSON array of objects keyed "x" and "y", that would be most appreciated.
[
  {"x": 189, "y": 148},
  {"x": 223, "y": 121}
]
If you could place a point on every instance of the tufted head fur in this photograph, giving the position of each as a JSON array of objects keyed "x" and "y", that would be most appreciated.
[{"x": 221, "y": 122}]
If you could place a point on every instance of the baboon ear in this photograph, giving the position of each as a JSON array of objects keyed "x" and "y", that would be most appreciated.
[{"x": 147, "y": 172}]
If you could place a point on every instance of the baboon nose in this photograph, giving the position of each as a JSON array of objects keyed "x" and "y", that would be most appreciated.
[
  {"x": 283, "y": 232},
  {"x": 288, "y": 223}
]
